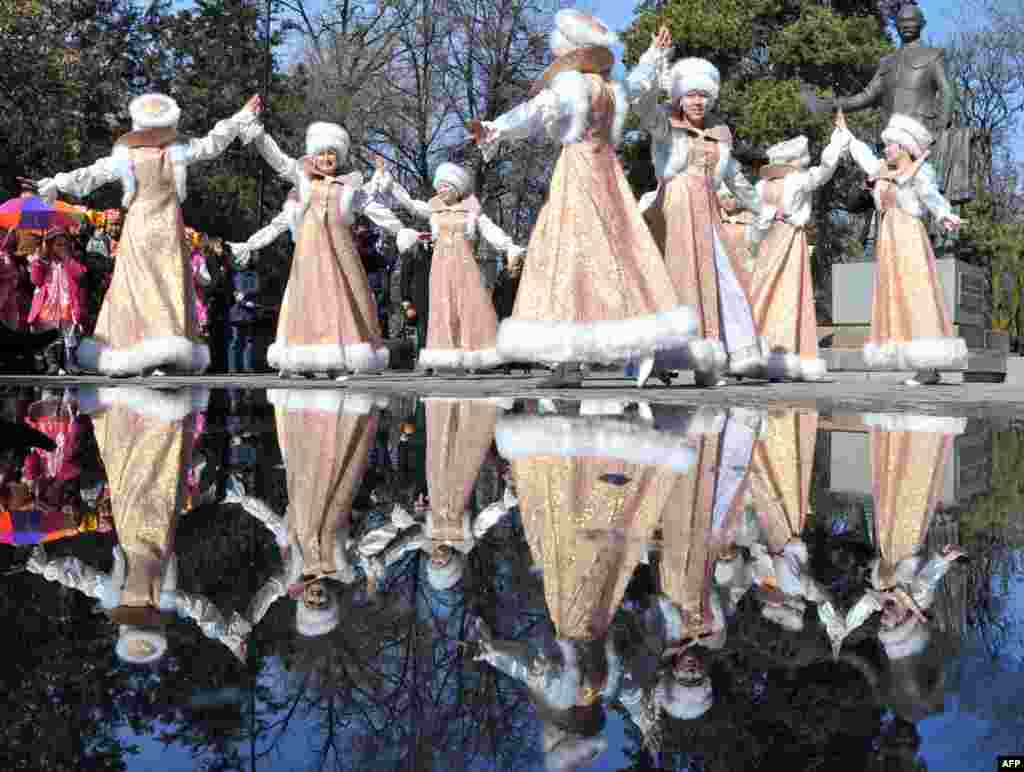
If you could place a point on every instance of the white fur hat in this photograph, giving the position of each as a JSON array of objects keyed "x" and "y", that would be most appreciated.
[
  {"x": 455, "y": 176},
  {"x": 904, "y": 130},
  {"x": 908, "y": 638},
  {"x": 694, "y": 74},
  {"x": 312, "y": 622},
  {"x": 322, "y": 136},
  {"x": 140, "y": 645},
  {"x": 792, "y": 151},
  {"x": 447, "y": 576},
  {"x": 154, "y": 111},
  {"x": 683, "y": 702},
  {"x": 576, "y": 29}
]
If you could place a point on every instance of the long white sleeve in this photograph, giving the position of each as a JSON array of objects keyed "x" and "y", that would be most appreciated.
[
  {"x": 81, "y": 182},
  {"x": 869, "y": 163},
  {"x": 283, "y": 164},
  {"x": 492, "y": 514},
  {"x": 928, "y": 191},
  {"x": 415, "y": 207},
  {"x": 265, "y": 235},
  {"x": 643, "y": 87},
  {"x": 379, "y": 214},
  {"x": 493, "y": 234},
  {"x": 748, "y": 198},
  {"x": 821, "y": 174},
  {"x": 69, "y": 572},
  {"x": 211, "y": 621},
  {"x": 223, "y": 134}
]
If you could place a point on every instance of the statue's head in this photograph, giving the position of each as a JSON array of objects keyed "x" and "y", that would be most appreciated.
[{"x": 909, "y": 22}]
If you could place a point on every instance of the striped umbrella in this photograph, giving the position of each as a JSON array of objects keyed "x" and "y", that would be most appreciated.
[{"x": 32, "y": 213}]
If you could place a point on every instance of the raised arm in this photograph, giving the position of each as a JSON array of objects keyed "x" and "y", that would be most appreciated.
[
  {"x": 244, "y": 122},
  {"x": 821, "y": 174},
  {"x": 283, "y": 164},
  {"x": 643, "y": 84}
]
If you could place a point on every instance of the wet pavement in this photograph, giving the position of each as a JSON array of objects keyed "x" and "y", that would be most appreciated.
[{"x": 400, "y": 573}]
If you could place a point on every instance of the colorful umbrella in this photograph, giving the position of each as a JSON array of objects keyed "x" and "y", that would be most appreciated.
[
  {"x": 32, "y": 213},
  {"x": 35, "y": 527}
]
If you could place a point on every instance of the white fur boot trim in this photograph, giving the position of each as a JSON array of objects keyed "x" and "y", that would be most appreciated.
[
  {"x": 324, "y": 357},
  {"x": 171, "y": 351},
  {"x": 605, "y": 342},
  {"x": 470, "y": 359},
  {"x": 521, "y": 436},
  {"x": 919, "y": 354}
]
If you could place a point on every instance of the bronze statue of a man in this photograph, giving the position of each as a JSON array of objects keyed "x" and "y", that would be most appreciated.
[{"x": 913, "y": 82}]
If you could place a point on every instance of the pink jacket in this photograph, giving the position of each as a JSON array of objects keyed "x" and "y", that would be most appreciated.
[{"x": 59, "y": 294}]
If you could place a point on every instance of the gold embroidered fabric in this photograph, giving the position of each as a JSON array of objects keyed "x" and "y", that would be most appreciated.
[
  {"x": 591, "y": 257},
  {"x": 462, "y": 315},
  {"x": 588, "y": 534},
  {"x": 327, "y": 276},
  {"x": 907, "y": 470},
  {"x": 908, "y": 300},
  {"x": 781, "y": 475},
  {"x": 783, "y": 291},
  {"x": 459, "y": 434},
  {"x": 681, "y": 220},
  {"x": 687, "y": 559},
  {"x": 327, "y": 455},
  {"x": 146, "y": 461},
  {"x": 151, "y": 294}
]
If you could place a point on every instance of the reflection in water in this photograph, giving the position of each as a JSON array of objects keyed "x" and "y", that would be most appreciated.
[{"x": 455, "y": 584}]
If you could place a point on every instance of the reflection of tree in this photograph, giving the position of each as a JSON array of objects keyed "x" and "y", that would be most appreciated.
[{"x": 393, "y": 688}]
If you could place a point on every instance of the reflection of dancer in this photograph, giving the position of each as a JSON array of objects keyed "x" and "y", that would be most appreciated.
[
  {"x": 783, "y": 292},
  {"x": 148, "y": 315},
  {"x": 325, "y": 439},
  {"x": 692, "y": 160},
  {"x": 594, "y": 288},
  {"x": 588, "y": 514},
  {"x": 908, "y": 459},
  {"x": 144, "y": 439},
  {"x": 459, "y": 435},
  {"x": 910, "y": 324},
  {"x": 328, "y": 320},
  {"x": 462, "y": 329}
]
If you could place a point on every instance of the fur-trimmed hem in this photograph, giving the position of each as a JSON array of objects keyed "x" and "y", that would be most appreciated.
[
  {"x": 780, "y": 364},
  {"x": 603, "y": 342},
  {"x": 470, "y": 359},
  {"x": 702, "y": 355},
  {"x": 325, "y": 401},
  {"x": 324, "y": 357},
  {"x": 163, "y": 404},
  {"x": 932, "y": 424},
  {"x": 592, "y": 437},
  {"x": 172, "y": 351},
  {"x": 919, "y": 354},
  {"x": 505, "y": 403}
]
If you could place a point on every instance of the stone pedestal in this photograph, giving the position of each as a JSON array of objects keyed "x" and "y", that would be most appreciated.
[{"x": 965, "y": 288}]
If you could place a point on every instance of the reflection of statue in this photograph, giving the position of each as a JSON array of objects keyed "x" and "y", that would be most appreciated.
[{"x": 913, "y": 82}]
